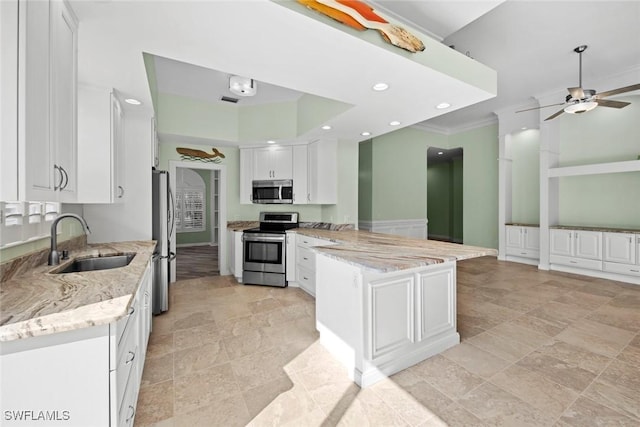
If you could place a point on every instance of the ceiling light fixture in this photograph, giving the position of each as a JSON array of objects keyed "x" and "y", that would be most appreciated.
[
  {"x": 326, "y": 127},
  {"x": 580, "y": 107},
  {"x": 271, "y": 142},
  {"x": 379, "y": 87},
  {"x": 443, "y": 105},
  {"x": 242, "y": 86},
  {"x": 440, "y": 153},
  {"x": 132, "y": 101},
  {"x": 365, "y": 133},
  {"x": 394, "y": 123}
]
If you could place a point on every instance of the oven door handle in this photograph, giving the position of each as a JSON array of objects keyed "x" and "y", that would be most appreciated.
[{"x": 263, "y": 239}]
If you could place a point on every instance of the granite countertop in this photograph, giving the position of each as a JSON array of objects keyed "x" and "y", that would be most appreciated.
[
  {"x": 382, "y": 252},
  {"x": 603, "y": 229},
  {"x": 242, "y": 225},
  {"x": 39, "y": 303},
  {"x": 522, "y": 224}
]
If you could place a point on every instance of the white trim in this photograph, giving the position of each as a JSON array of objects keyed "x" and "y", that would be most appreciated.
[
  {"x": 222, "y": 211},
  {"x": 428, "y": 127},
  {"x": 594, "y": 169},
  {"x": 416, "y": 228},
  {"x": 595, "y": 273}
]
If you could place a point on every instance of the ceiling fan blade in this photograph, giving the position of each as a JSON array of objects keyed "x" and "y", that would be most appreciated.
[
  {"x": 537, "y": 108},
  {"x": 553, "y": 116},
  {"x": 576, "y": 92},
  {"x": 619, "y": 90},
  {"x": 611, "y": 103}
]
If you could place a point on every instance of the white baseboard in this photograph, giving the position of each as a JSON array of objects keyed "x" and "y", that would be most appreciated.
[{"x": 416, "y": 228}]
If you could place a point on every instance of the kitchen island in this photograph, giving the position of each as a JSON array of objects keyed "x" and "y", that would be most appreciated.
[{"x": 385, "y": 302}]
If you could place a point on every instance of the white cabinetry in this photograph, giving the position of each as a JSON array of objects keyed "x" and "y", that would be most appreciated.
[
  {"x": 273, "y": 163},
  {"x": 41, "y": 155},
  {"x": 577, "y": 248},
  {"x": 622, "y": 253},
  {"x": 246, "y": 175},
  {"x": 100, "y": 146},
  {"x": 523, "y": 241},
  {"x": 300, "y": 188},
  {"x": 379, "y": 323},
  {"x": 301, "y": 261},
  {"x": 322, "y": 172},
  {"x": 88, "y": 376},
  {"x": 235, "y": 253}
]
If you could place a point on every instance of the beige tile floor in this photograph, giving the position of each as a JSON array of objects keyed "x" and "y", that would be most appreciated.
[{"x": 538, "y": 349}]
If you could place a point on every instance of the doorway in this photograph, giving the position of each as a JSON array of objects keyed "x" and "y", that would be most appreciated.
[
  {"x": 200, "y": 215},
  {"x": 445, "y": 194}
]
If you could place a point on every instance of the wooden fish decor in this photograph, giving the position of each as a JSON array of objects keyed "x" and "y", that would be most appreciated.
[
  {"x": 359, "y": 15},
  {"x": 199, "y": 155}
]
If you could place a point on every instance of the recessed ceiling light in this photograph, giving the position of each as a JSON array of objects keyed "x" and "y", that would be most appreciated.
[
  {"x": 326, "y": 127},
  {"x": 523, "y": 128},
  {"x": 379, "y": 87},
  {"x": 365, "y": 133},
  {"x": 132, "y": 101},
  {"x": 443, "y": 105},
  {"x": 271, "y": 142},
  {"x": 440, "y": 153},
  {"x": 394, "y": 123}
]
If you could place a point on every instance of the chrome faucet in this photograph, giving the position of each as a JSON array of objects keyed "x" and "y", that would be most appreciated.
[{"x": 54, "y": 256}]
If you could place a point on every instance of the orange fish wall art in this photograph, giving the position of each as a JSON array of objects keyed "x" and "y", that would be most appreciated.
[{"x": 198, "y": 155}]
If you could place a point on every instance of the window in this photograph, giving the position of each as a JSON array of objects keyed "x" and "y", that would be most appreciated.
[
  {"x": 25, "y": 221},
  {"x": 190, "y": 202}
]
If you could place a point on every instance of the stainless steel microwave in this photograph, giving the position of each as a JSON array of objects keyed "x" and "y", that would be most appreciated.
[{"x": 276, "y": 191}]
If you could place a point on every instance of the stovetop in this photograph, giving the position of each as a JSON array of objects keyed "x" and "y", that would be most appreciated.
[{"x": 275, "y": 222}]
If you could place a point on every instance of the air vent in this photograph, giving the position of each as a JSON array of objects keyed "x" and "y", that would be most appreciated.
[{"x": 229, "y": 99}]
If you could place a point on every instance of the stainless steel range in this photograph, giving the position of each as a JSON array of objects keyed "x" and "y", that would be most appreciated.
[{"x": 265, "y": 249}]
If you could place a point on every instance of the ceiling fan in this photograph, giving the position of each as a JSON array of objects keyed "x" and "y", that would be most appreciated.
[{"x": 582, "y": 100}]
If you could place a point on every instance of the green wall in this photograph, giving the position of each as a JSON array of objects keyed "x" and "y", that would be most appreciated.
[
  {"x": 439, "y": 200},
  {"x": 399, "y": 179},
  {"x": 524, "y": 151},
  {"x": 365, "y": 181},
  {"x": 602, "y": 135},
  {"x": 346, "y": 210}
]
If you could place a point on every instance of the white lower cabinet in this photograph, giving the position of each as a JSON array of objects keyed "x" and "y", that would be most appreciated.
[
  {"x": 305, "y": 261},
  {"x": 523, "y": 241},
  {"x": 235, "y": 253},
  {"x": 84, "y": 377},
  {"x": 576, "y": 248},
  {"x": 622, "y": 253}
]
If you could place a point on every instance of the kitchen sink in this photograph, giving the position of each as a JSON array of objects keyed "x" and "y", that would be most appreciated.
[{"x": 103, "y": 262}]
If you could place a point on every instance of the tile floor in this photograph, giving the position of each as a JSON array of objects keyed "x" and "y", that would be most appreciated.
[{"x": 538, "y": 349}]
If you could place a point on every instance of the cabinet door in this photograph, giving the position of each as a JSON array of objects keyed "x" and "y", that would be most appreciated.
[
  {"x": 323, "y": 172},
  {"x": 63, "y": 109},
  {"x": 561, "y": 242},
  {"x": 620, "y": 247},
  {"x": 39, "y": 179},
  {"x": 588, "y": 244},
  {"x": 531, "y": 238},
  {"x": 515, "y": 236},
  {"x": 300, "y": 189},
  {"x": 291, "y": 257},
  {"x": 246, "y": 175},
  {"x": 262, "y": 167},
  {"x": 118, "y": 153},
  {"x": 282, "y": 163}
]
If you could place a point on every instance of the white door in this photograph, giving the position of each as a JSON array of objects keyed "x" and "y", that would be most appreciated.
[
  {"x": 588, "y": 244},
  {"x": 515, "y": 236},
  {"x": 531, "y": 238},
  {"x": 620, "y": 247},
  {"x": 561, "y": 242}
]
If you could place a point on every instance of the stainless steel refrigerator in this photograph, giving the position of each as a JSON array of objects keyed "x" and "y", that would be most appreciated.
[{"x": 163, "y": 228}]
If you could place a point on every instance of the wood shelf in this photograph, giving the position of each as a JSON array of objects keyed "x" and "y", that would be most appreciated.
[{"x": 595, "y": 169}]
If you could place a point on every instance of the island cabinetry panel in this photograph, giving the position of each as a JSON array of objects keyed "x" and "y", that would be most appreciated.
[
  {"x": 39, "y": 78},
  {"x": 83, "y": 377},
  {"x": 273, "y": 163},
  {"x": 379, "y": 323},
  {"x": 523, "y": 241},
  {"x": 100, "y": 146}
]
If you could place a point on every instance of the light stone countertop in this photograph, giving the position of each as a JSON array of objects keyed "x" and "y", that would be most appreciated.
[
  {"x": 40, "y": 303},
  {"x": 382, "y": 252},
  {"x": 596, "y": 228}
]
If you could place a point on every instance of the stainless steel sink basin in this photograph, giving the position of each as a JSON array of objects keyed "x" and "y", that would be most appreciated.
[{"x": 104, "y": 262}]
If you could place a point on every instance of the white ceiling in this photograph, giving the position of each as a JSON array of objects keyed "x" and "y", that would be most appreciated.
[{"x": 529, "y": 43}]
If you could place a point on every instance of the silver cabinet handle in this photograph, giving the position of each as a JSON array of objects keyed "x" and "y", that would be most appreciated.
[
  {"x": 133, "y": 413},
  {"x": 66, "y": 178},
  {"x": 132, "y": 309},
  {"x": 59, "y": 186},
  {"x": 132, "y": 355},
  {"x": 120, "y": 191}
]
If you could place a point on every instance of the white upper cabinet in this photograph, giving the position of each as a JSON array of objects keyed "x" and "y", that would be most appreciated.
[
  {"x": 246, "y": 175},
  {"x": 300, "y": 190},
  {"x": 322, "y": 172},
  {"x": 100, "y": 146},
  {"x": 43, "y": 49},
  {"x": 273, "y": 163}
]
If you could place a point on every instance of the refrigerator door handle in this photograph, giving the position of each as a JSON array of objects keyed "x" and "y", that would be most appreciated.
[
  {"x": 171, "y": 214},
  {"x": 172, "y": 256},
  {"x": 156, "y": 256}
]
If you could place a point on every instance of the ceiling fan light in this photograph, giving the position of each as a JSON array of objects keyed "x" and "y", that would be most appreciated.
[
  {"x": 242, "y": 86},
  {"x": 580, "y": 107}
]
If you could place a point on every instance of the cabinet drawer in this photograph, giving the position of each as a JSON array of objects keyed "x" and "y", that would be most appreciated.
[
  {"x": 307, "y": 280},
  {"x": 306, "y": 258},
  {"x": 305, "y": 241},
  {"x": 629, "y": 269},
  {"x": 523, "y": 253},
  {"x": 590, "y": 264},
  {"x": 127, "y": 361},
  {"x": 127, "y": 411}
]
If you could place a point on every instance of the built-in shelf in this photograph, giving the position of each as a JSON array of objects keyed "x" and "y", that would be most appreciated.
[{"x": 595, "y": 169}]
